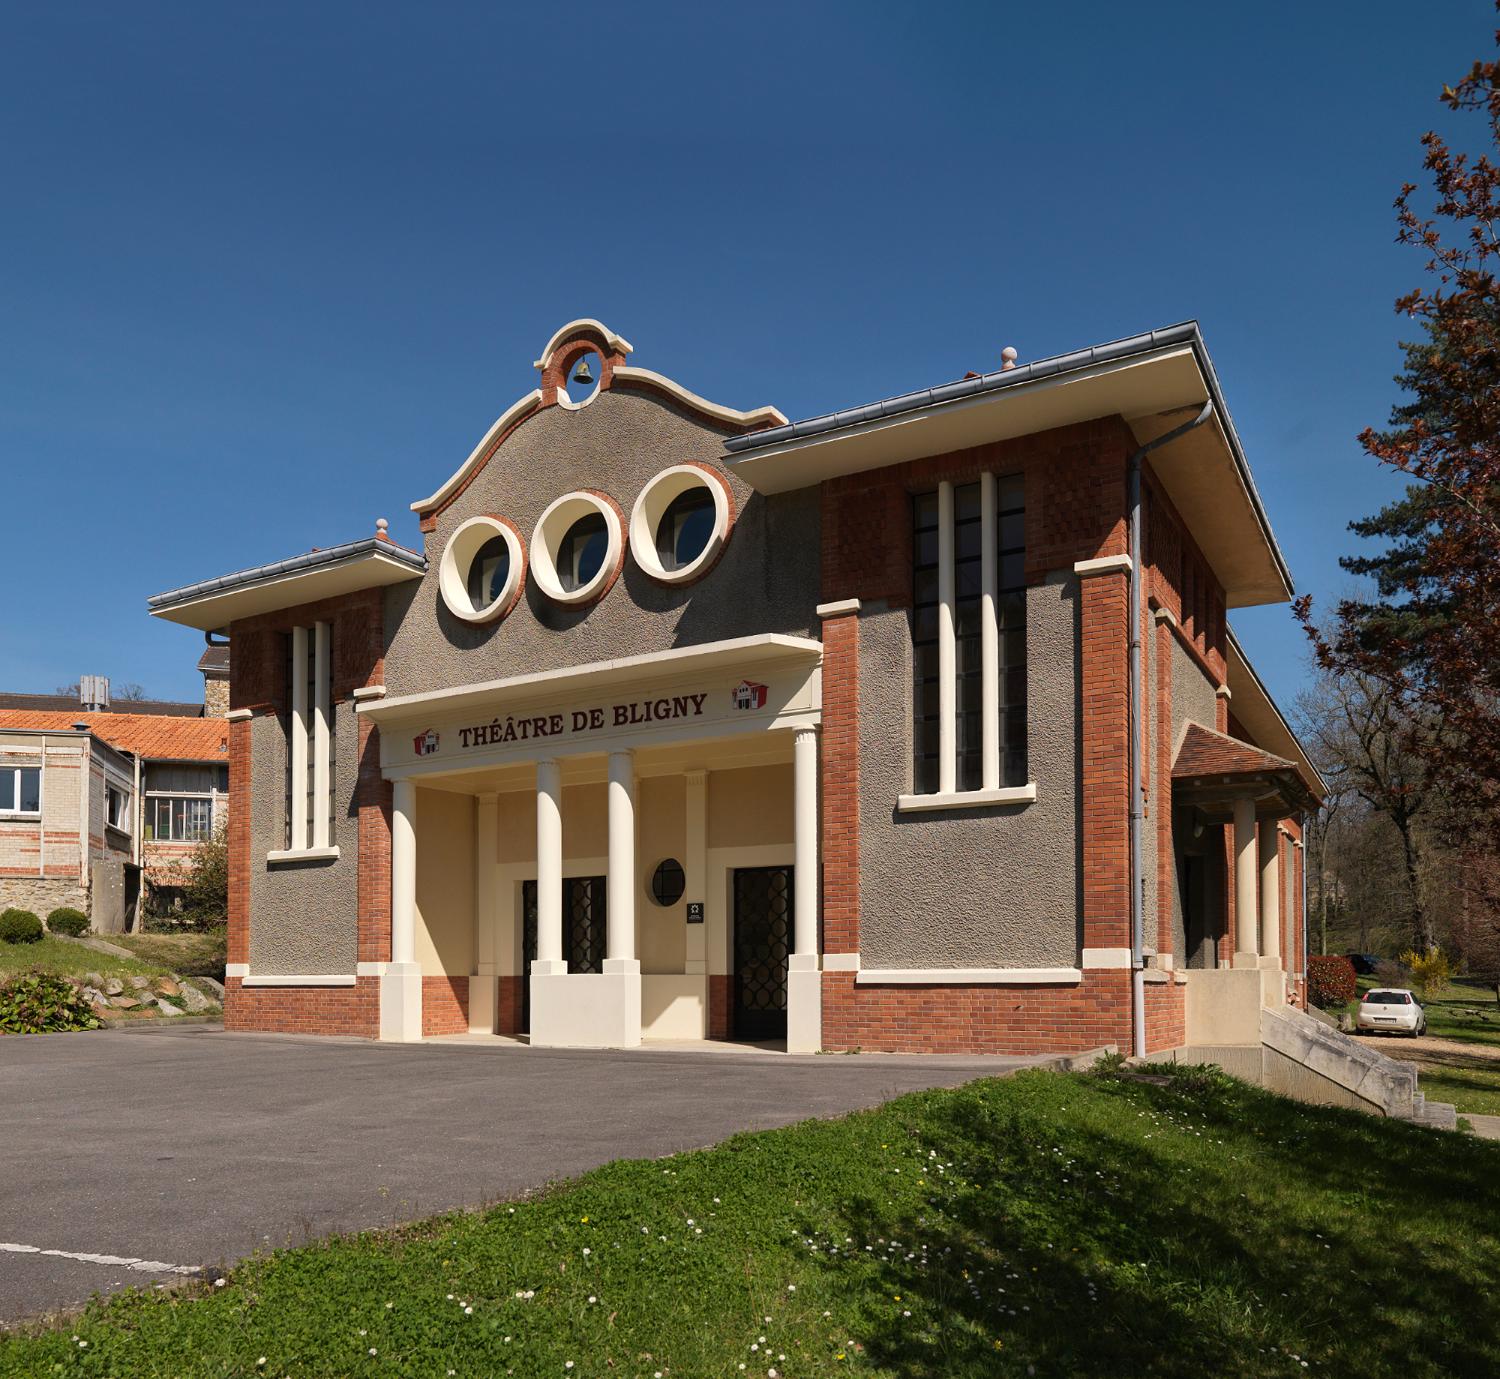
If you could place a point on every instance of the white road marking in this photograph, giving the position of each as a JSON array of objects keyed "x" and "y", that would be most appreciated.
[{"x": 145, "y": 1266}]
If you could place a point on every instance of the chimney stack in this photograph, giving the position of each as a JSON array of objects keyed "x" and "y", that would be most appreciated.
[{"x": 93, "y": 693}]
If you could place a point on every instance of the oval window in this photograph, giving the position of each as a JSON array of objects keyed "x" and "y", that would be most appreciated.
[
  {"x": 685, "y": 529},
  {"x": 481, "y": 569},
  {"x": 577, "y": 548},
  {"x": 668, "y": 882},
  {"x": 581, "y": 552},
  {"x": 680, "y": 523}
]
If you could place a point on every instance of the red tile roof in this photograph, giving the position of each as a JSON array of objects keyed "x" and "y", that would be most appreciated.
[
  {"x": 152, "y": 737},
  {"x": 1207, "y": 753}
]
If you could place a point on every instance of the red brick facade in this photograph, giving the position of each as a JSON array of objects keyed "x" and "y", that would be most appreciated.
[{"x": 259, "y": 685}]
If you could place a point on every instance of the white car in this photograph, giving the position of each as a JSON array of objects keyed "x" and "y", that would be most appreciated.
[{"x": 1393, "y": 1009}]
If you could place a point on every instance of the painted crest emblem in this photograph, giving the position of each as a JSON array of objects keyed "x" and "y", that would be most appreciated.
[
  {"x": 749, "y": 695},
  {"x": 425, "y": 744}
]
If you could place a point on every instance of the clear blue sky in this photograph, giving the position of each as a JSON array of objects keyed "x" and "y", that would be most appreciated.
[{"x": 268, "y": 272}]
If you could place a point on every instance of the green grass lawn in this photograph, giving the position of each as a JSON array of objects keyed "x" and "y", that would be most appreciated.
[{"x": 1048, "y": 1224}]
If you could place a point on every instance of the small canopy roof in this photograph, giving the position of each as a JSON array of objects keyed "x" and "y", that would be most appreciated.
[{"x": 1211, "y": 770}]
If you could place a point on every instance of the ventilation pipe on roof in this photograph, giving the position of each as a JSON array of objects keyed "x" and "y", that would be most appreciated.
[{"x": 1137, "y": 802}]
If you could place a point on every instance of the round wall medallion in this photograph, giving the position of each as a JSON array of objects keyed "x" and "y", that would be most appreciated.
[{"x": 481, "y": 570}]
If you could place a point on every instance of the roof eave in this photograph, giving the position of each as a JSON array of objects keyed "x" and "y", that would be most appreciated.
[{"x": 215, "y": 604}]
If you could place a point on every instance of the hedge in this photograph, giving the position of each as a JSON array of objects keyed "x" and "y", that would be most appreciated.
[{"x": 1330, "y": 981}]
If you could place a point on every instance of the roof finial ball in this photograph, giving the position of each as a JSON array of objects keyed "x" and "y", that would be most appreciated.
[
  {"x": 382, "y": 528},
  {"x": 1008, "y": 357}
]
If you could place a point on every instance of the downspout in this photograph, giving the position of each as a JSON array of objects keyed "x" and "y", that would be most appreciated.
[
  {"x": 1137, "y": 788},
  {"x": 1302, "y": 882}
]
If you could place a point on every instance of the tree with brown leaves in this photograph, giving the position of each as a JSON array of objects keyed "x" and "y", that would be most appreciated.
[{"x": 1431, "y": 634}]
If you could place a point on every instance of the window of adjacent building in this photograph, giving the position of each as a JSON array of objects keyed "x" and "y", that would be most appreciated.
[
  {"x": 311, "y": 745},
  {"x": 184, "y": 801},
  {"x": 20, "y": 789},
  {"x": 179, "y": 818},
  {"x": 970, "y": 691},
  {"x": 117, "y": 808}
]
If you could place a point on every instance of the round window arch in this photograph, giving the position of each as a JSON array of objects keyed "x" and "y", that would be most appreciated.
[
  {"x": 482, "y": 568},
  {"x": 668, "y": 882},
  {"x": 577, "y": 548},
  {"x": 680, "y": 523}
]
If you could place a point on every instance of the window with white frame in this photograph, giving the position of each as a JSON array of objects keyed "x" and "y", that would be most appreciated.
[
  {"x": 184, "y": 801},
  {"x": 117, "y": 808},
  {"x": 20, "y": 790},
  {"x": 968, "y": 630},
  {"x": 310, "y": 738}
]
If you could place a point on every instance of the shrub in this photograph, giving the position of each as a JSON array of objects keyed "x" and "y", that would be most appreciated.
[
  {"x": 201, "y": 903},
  {"x": 1430, "y": 971},
  {"x": 67, "y": 921},
  {"x": 1389, "y": 972},
  {"x": 1330, "y": 982},
  {"x": 42, "y": 1003},
  {"x": 20, "y": 926}
]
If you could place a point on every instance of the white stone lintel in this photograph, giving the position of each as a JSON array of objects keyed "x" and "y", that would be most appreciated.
[
  {"x": 1104, "y": 565},
  {"x": 838, "y": 609}
]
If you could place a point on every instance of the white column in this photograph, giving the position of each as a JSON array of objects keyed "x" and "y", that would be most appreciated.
[
  {"x": 322, "y": 707},
  {"x": 619, "y": 947},
  {"x": 483, "y": 985},
  {"x": 299, "y": 738},
  {"x": 947, "y": 646},
  {"x": 401, "y": 982},
  {"x": 1246, "y": 909},
  {"x": 549, "y": 877},
  {"x": 1270, "y": 893},
  {"x": 989, "y": 631},
  {"x": 804, "y": 994},
  {"x": 695, "y": 866}
]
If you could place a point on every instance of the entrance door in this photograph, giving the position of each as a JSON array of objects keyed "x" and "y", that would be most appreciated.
[
  {"x": 762, "y": 940},
  {"x": 583, "y": 900},
  {"x": 1197, "y": 932}
]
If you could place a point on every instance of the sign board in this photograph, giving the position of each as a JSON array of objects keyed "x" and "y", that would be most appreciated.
[{"x": 695, "y": 912}]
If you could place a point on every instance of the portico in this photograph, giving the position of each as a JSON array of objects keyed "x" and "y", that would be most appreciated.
[{"x": 585, "y": 867}]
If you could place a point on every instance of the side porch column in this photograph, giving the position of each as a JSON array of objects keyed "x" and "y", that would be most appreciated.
[
  {"x": 1246, "y": 908},
  {"x": 804, "y": 982},
  {"x": 620, "y": 1006},
  {"x": 1270, "y": 894},
  {"x": 401, "y": 983}
]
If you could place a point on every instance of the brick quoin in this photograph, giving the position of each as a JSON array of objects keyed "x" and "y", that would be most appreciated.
[{"x": 840, "y": 784}]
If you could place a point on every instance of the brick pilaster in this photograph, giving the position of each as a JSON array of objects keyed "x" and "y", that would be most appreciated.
[{"x": 840, "y": 783}]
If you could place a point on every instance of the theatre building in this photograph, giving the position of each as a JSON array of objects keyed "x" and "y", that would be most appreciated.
[{"x": 915, "y": 726}]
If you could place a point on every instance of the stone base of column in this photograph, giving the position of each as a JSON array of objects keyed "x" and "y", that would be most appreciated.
[
  {"x": 1247, "y": 959},
  {"x": 587, "y": 1010},
  {"x": 1271, "y": 961},
  {"x": 804, "y": 1004},
  {"x": 484, "y": 1002},
  {"x": 401, "y": 1003}
]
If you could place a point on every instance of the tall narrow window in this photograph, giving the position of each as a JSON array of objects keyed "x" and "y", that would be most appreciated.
[
  {"x": 988, "y": 610},
  {"x": 310, "y": 742}
]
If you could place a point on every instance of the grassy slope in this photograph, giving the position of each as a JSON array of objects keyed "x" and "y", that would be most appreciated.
[
  {"x": 192, "y": 955},
  {"x": 1048, "y": 1224},
  {"x": 71, "y": 959}
]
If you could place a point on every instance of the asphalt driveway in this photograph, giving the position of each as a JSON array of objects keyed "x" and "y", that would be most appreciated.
[{"x": 138, "y": 1157}]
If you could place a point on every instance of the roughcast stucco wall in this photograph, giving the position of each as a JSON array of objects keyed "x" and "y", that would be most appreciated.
[
  {"x": 1006, "y": 891},
  {"x": 765, "y": 581}
]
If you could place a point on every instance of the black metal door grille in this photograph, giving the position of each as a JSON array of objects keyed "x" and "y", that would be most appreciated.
[
  {"x": 583, "y": 931},
  {"x": 762, "y": 940}
]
